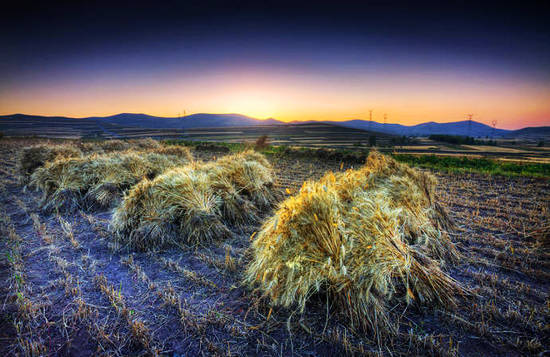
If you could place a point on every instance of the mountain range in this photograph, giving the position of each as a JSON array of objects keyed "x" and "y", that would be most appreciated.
[
  {"x": 200, "y": 120},
  {"x": 464, "y": 128},
  {"x": 206, "y": 120}
]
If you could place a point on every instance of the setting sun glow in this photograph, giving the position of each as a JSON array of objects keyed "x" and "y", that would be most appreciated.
[{"x": 407, "y": 98}]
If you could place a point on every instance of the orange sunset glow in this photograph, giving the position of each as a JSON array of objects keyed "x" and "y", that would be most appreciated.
[{"x": 407, "y": 98}]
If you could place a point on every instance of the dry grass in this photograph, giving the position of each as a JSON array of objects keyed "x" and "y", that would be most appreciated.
[
  {"x": 146, "y": 143},
  {"x": 32, "y": 157},
  {"x": 370, "y": 237},
  {"x": 107, "y": 146},
  {"x": 104, "y": 146},
  {"x": 97, "y": 181},
  {"x": 194, "y": 204}
]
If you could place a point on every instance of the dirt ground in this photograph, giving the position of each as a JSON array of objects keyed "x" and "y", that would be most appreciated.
[{"x": 67, "y": 290}]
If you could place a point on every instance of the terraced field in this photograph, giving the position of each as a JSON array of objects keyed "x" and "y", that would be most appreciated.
[
  {"x": 312, "y": 135},
  {"x": 67, "y": 290}
]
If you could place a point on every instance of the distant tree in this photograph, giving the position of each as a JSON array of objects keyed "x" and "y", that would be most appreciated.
[
  {"x": 372, "y": 140},
  {"x": 1, "y": 135},
  {"x": 261, "y": 143},
  {"x": 540, "y": 144}
]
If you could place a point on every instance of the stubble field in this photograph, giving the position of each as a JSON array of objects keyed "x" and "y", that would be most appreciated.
[{"x": 67, "y": 290}]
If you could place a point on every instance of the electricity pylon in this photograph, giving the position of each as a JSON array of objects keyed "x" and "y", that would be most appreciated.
[
  {"x": 370, "y": 120},
  {"x": 469, "y": 124}
]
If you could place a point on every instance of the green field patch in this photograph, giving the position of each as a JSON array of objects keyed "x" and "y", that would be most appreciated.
[{"x": 477, "y": 165}]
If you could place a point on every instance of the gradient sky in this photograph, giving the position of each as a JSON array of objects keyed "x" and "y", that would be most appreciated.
[{"x": 417, "y": 62}]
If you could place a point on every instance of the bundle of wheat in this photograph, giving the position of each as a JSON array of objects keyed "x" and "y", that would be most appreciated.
[
  {"x": 97, "y": 181},
  {"x": 177, "y": 207},
  {"x": 368, "y": 238},
  {"x": 32, "y": 157},
  {"x": 113, "y": 145},
  {"x": 146, "y": 143},
  {"x": 251, "y": 174},
  {"x": 235, "y": 208},
  {"x": 88, "y": 147},
  {"x": 194, "y": 204},
  {"x": 424, "y": 220},
  {"x": 173, "y": 150}
]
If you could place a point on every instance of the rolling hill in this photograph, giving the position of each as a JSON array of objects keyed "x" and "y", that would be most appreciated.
[
  {"x": 19, "y": 124},
  {"x": 200, "y": 120},
  {"x": 464, "y": 128},
  {"x": 537, "y": 132}
]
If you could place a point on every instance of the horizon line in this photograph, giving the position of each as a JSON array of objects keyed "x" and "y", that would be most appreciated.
[{"x": 264, "y": 119}]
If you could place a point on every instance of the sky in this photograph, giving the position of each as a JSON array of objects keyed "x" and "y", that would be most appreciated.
[{"x": 413, "y": 61}]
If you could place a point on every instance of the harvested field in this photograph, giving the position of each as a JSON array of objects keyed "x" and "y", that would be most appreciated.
[{"x": 66, "y": 290}]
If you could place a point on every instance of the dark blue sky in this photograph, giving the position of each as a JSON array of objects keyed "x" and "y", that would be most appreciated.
[{"x": 49, "y": 31}]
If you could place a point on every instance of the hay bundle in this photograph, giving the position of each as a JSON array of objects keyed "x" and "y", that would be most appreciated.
[
  {"x": 98, "y": 181},
  {"x": 113, "y": 145},
  {"x": 235, "y": 208},
  {"x": 103, "y": 146},
  {"x": 368, "y": 237},
  {"x": 412, "y": 191},
  {"x": 32, "y": 157},
  {"x": 251, "y": 174},
  {"x": 89, "y": 147},
  {"x": 173, "y": 150},
  {"x": 194, "y": 204},
  {"x": 176, "y": 207},
  {"x": 147, "y": 143}
]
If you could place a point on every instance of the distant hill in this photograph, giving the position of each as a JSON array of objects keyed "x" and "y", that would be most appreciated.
[
  {"x": 18, "y": 123},
  {"x": 537, "y": 132},
  {"x": 464, "y": 128},
  {"x": 200, "y": 120}
]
